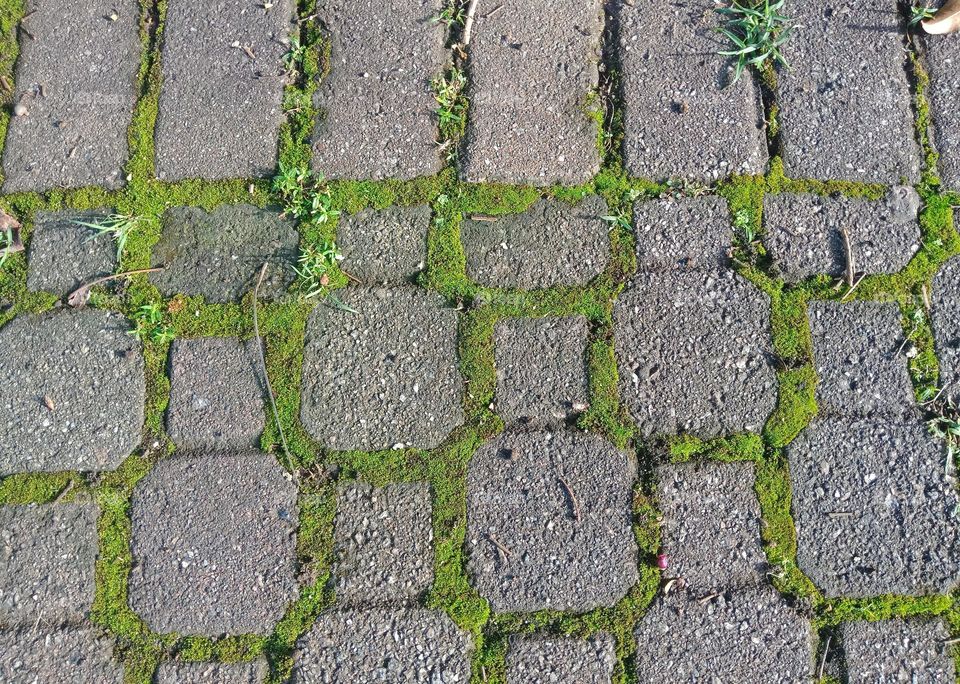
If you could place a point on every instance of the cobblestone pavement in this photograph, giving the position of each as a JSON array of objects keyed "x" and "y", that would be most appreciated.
[{"x": 507, "y": 341}]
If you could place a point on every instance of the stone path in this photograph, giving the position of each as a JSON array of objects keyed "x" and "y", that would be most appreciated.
[{"x": 517, "y": 344}]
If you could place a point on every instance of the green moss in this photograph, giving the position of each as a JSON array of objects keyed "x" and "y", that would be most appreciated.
[{"x": 796, "y": 405}]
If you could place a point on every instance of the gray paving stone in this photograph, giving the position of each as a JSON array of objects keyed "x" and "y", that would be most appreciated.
[
  {"x": 541, "y": 368},
  {"x": 746, "y": 636},
  {"x": 404, "y": 645},
  {"x": 558, "y": 660},
  {"x": 692, "y": 233},
  {"x": 213, "y": 544},
  {"x": 856, "y": 352},
  {"x": 385, "y": 376},
  {"x": 91, "y": 371},
  {"x": 683, "y": 116},
  {"x": 63, "y": 256},
  {"x": 384, "y": 246},
  {"x": 383, "y": 544},
  {"x": 845, "y": 105},
  {"x": 223, "y": 79},
  {"x": 77, "y": 80},
  {"x": 212, "y": 673},
  {"x": 805, "y": 233},
  {"x": 549, "y": 244},
  {"x": 943, "y": 56},
  {"x": 377, "y": 109},
  {"x": 47, "y": 553},
  {"x": 216, "y": 395},
  {"x": 945, "y": 317},
  {"x": 874, "y": 512},
  {"x": 692, "y": 353},
  {"x": 548, "y": 522},
  {"x": 218, "y": 254},
  {"x": 533, "y": 66},
  {"x": 711, "y": 524},
  {"x": 898, "y": 651},
  {"x": 72, "y": 655}
]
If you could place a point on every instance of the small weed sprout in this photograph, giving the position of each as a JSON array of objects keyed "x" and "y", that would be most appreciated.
[
  {"x": 743, "y": 222},
  {"x": 305, "y": 195},
  {"x": 7, "y": 245},
  {"x": 293, "y": 57},
  {"x": 756, "y": 32},
  {"x": 621, "y": 221},
  {"x": 117, "y": 226},
  {"x": 316, "y": 265},
  {"x": 919, "y": 12},
  {"x": 149, "y": 325},
  {"x": 450, "y": 15},
  {"x": 451, "y": 106},
  {"x": 944, "y": 424}
]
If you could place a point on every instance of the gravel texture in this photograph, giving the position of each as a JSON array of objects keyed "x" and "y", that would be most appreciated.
[
  {"x": 71, "y": 655},
  {"x": 551, "y": 243},
  {"x": 384, "y": 246},
  {"x": 212, "y": 673},
  {"x": 945, "y": 318},
  {"x": 805, "y": 233},
  {"x": 63, "y": 256},
  {"x": 218, "y": 254},
  {"x": 377, "y": 108},
  {"x": 683, "y": 115},
  {"x": 76, "y": 80},
  {"x": 943, "y": 58},
  {"x": 688, "y": 234},
  {"x": 47, "y": 555},
  {"x": 213, "y": 544},
  {"x": 897, "y": 651},
  {"x": 556, "y": 660},
  {"x": 84, "y": 365},
  {"x": 216, "y": 394},
  {"x": 533, "y": 67},
  {"x": 385, "y": 376},
  {"x": 845, "y": 104},
  {"x": 403, "y": 645},
  {"x": 383, "y": 544},
  {"x": 223, "y": 79},
  {"x": 541, "y": 368},
  {"x": 873, "y": 509},
  {"x": 548, "y": 522}
]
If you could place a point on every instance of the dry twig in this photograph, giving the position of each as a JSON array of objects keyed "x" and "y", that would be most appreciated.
[
  {"x": 823, "y": 661},
  {"x": 574, "y": 503},
  {"x": 78, "y": 298},
  {"x": 468, "y": 24},
  {"x": 500, "y": 547}
]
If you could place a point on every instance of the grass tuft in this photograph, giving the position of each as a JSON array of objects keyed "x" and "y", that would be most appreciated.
[{"x": 757, "y": 34}]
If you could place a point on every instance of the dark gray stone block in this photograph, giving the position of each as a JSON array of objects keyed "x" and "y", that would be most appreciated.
[
  {"x": 533, "y": 67},
  {"x": 213, "y": 544},
  {"x": 857, "y": 354},
  {"x": 91, "y": 370},
  {"x": 405, "y": 645},
  {"x": 76, "y": 80},
  {"x": 945, "y": 317},
  {"x": 384, "y": 246},
  {"x": 216, "y": 395},
  {"x": 377, "y": 109},
  {"x": 898, "y": 651},
  {"x": 63, "y": 256},
  {"x": 384, "y": 376},
  {"x": 223, "y": 78},
  {"x": 212, "y": 673},
  {"x": 73, "y": 654},
  {"x": 874, "y": 510},
  {"x": 548, "y": 522},
  {"x": 383, "y": 544},
  {"x": 683, "y": 116},
  {"x": 943, "y": 56},
  {"x": 805, "y": 233},
  {"x": 218, "y": 254},
  {"x": 845, "y": 103},
  {"x": 558, "y": 660},
  {"x": 552, "y": 243},
  {"x": 688, "y": 234},
  {"x": 47, "y": 554}
]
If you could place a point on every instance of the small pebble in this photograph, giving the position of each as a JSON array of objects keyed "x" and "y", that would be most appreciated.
[{"x": 20, "y": 109}]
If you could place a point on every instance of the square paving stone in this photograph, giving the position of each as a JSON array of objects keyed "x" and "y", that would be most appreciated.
[
  {"x": 216, "y": 395},
  {"x": 943, "y": 58},
  {"x": 383, "y": 544},
  {"x": 874, "y": 511},
  {"x": 223, "y": 79},
  {"x": 76, "y": 79},
  {"x": 551, "y": 243},
  {"x": 533, "y": 68},
  {"x": 212, "y": 673},
  {"x": 541, "y": 368},
  {"x": 857, "y": 354},
  {"x": 63, "y": 256},
  {"x": 218, "y": 254},
  {"x": 898, "y": 651},
  {"x": 683, "y": 115},
  {"x": 47, "y": 554},
  {"x": 213, "y": 544},
  {"x": 692, "y": 349},
  {"x": 805, "y": 233},
  {"x": 711, "y": 524},
  {"x": 548, "y": 522},
  {"x": 72, "y": 392},
  {"x": 386, "y": 245},
  {"x": 74, "y": 655},
  {"x": 384, "y": 376},
  {"x": 945, "y": 317},
  {"x": 557, "y": 660},
  {"x": 845, "y": 104},
  {"x": 404, "y": 645},
  {"x": 685, "y": 235},
  {"x": 376, "y": 103}
]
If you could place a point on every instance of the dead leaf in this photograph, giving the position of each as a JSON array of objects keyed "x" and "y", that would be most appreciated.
[
  {"x": 176, "y": 306},
  {"x": 79, "y": 297},
  {"x": 946, "y": 20},
  {"x": 48, "y": 402}
]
